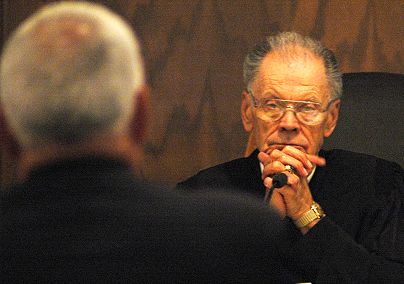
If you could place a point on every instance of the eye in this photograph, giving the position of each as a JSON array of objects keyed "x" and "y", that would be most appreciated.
[
  {"x": 308, "y": 107},
  {"x": 270, "y": 105}
]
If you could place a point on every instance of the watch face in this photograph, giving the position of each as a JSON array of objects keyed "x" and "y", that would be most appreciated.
[{"x": 317, "y": 209}]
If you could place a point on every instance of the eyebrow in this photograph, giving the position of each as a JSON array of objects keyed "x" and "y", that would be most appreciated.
[
  {"x": 270, "y": 96},
  {"x": 313, "y": 99}
]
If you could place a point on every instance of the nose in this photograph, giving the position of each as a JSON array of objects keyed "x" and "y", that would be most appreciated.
[{"x": 289, "y": 122}]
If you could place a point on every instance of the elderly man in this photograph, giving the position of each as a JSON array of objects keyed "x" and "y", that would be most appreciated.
[
  {"x": 344, "y": 210},
  {"x": 72, "y": 96}
]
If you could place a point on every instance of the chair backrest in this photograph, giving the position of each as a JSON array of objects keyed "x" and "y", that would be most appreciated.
[{"x": 372, "y": 116}]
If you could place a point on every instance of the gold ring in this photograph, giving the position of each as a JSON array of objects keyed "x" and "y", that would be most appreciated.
[{"x": 290, "y": 169}]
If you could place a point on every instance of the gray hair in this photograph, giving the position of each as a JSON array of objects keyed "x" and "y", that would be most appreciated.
[
  {"x": 284, "y": 40},
  {"x": 68, "y": 73}
]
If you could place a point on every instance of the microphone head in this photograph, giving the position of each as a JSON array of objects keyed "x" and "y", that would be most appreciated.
[{"x": 279, "y": 180}]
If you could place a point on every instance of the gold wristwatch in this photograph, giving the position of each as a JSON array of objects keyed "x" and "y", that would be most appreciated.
[{"x": 314, "y": 213}]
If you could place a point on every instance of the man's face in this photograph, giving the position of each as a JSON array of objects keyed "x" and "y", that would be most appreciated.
[{"x": 300, "y": 78}]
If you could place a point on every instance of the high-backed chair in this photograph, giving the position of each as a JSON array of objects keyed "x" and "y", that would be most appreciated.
[{"x": 372, "y": 116}]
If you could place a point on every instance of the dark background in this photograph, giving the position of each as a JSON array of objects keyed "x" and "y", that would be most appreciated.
[{"x": 194, "y": 51}]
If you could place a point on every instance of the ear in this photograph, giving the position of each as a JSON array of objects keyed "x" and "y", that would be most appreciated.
[
  {"x": 7, "y": 139},
  {"x": 332, "y": 118},
  {"x": 247, "y": 112},
  {"x": 140, "y": 117}
]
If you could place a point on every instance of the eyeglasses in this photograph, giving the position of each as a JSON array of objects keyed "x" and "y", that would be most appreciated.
[{"x": 271, "y": 110}]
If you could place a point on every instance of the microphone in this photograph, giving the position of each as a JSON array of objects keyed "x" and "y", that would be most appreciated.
[{"x": 278, "y": 181}]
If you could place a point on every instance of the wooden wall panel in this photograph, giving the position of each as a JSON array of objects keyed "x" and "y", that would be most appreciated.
[{"x": 194, "y": 51}]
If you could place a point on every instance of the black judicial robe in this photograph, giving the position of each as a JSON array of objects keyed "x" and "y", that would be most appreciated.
[{"x": 361, "y": 240}]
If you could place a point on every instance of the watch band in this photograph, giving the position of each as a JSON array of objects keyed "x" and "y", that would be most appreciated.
[{"x": 315, "y": 212}]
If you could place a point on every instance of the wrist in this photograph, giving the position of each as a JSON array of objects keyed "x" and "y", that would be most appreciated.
[
  {"x": 310, "y": 218},
  {"x": 306, "y": 229}
]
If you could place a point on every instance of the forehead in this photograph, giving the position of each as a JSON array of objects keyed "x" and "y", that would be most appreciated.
[{"x": 296, "y": 74}]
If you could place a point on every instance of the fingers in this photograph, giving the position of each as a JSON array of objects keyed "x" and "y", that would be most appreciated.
[
  {"x": 300, "y": 168},
  {"x": 295, "y": 197},
  {"x": 276, "y": 161},
  {"x": 263, "y": 157},
  {"x": 278, "y": 204},
  {"x": 320, "y": 161},
  {"x": 273, "y": 168},
  {"x": 289, "y": 155},
  {"x": 293, "y": 180},
  {"x": 296, "y": 158}
]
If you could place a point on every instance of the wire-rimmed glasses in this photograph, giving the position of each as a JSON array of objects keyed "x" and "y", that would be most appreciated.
[{"x": 273, "y": 109}]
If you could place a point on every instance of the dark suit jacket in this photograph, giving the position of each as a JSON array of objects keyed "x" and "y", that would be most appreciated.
[
  {"x": 91, "y": 220},
  {"x": 361, "y": 239}
]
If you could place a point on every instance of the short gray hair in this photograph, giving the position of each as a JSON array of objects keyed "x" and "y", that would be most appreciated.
[
  {"x": 284, "y": 40},
  {"x": 68, "y": 73}
]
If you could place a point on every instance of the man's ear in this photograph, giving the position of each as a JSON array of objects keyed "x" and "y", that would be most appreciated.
[
  {"x": 139, "y": 121},
  {"x": 7, "y": 139},
  {"x": 332, "y": 118},
  {"x": 247, "y": 112}
]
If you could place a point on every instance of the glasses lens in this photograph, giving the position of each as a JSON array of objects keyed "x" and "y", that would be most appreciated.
[
  {"x": 270, "y": 110},
  {"x": 310, "y": 118},
  {"x": 269, "y": 114}
]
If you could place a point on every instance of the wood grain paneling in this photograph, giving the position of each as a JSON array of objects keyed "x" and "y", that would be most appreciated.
[{"x": 194, "y": 51}]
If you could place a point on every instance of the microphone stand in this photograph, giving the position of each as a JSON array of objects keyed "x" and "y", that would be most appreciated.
[
  {"x": 278, "y": 181},
  {"x": 268, "y": 194}
]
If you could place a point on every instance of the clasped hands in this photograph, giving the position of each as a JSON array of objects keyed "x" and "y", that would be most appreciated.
[{"x": 294, "y": 199}]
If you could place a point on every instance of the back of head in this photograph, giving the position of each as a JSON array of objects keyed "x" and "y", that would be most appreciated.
[{"x": 70, "y": 73}]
